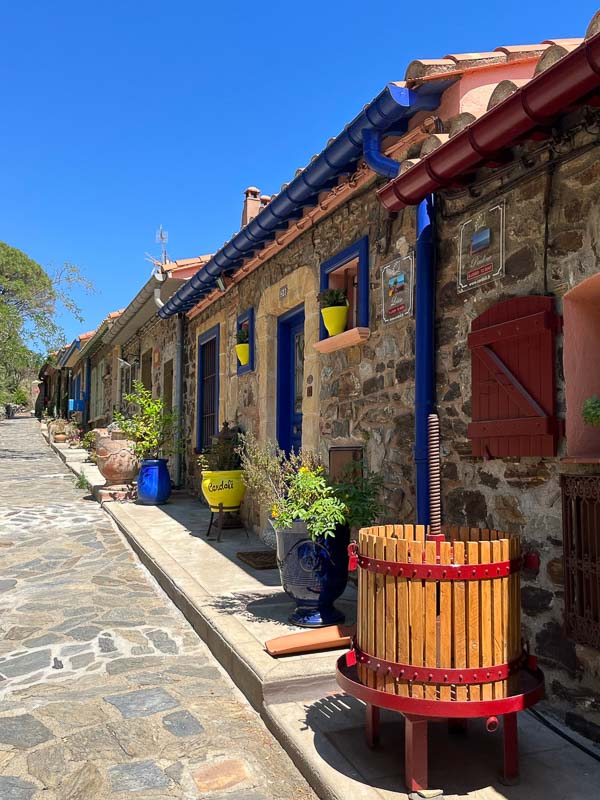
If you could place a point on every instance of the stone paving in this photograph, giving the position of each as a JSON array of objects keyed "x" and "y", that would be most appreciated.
[{"x": 105, "y": 690}]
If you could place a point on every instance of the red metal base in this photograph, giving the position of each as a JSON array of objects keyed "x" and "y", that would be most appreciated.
[{"x": 419, "y": 712}]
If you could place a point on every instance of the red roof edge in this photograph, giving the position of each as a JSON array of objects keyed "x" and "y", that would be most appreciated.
[{"x": 570, "y": 80}]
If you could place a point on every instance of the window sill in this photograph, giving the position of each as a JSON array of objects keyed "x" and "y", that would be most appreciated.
[{"x": 342, "y": 340}]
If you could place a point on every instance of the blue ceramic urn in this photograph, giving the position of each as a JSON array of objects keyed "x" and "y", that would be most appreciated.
[{"x": 154, "y": 482}]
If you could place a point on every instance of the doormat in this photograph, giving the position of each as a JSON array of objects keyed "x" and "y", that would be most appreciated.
[{"x": 259, "y": 559}]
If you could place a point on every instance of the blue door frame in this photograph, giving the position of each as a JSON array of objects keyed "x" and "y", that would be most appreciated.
[
  {"x": 203, "y": 340},
  {"x": 289, "y": 419}
]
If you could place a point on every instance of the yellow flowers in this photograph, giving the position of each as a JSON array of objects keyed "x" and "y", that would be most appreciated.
[
  {"x": 274, "y": 512},
  {"x": 304, "y": 469}
]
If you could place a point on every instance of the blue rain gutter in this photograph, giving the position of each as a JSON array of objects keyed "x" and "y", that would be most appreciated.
[
  {"x": 424, "y": 351},
  {"x": 388, "y": 113},
  {"x": 374, "y": 158}
]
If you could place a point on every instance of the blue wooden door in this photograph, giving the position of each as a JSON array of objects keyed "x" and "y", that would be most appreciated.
[{"x": 290, "y": 379}]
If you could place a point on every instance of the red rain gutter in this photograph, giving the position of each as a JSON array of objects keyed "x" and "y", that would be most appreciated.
[{"x": 569, "y": 81}]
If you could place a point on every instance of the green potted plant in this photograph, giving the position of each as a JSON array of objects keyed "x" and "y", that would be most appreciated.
[
  {"x": 591, "y": 411},
  {"x": 334, "y": 310},
  {"x": 242, "y": 347},
  {"x": 58, "y": 430},
  {"x": 222, "y": 483},
  {"x": 360, "y": 491},
  {"x": 152, "y": 430},
  {"x": 310, "y": 528}
]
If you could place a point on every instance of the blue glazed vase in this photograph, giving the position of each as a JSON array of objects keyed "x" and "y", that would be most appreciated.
[
  {"x": 154, "y": 482},
  {"x": 313, "y": 573}
]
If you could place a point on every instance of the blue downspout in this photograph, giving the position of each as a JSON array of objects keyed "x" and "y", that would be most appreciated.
[
  {"x": 373, "y": 156},
  {"x": 424, "y": 351}
]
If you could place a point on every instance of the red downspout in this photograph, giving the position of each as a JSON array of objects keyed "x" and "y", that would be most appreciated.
[{"x": 552, "y": 92}]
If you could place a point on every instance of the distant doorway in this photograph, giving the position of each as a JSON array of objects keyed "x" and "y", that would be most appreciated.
[{"x": 290, "y": 379}]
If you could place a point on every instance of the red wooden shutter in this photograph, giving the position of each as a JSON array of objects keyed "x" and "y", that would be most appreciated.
[{"x": 513, "y": 379}]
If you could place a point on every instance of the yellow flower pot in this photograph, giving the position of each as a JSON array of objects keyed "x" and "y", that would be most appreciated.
[
  {"x": 243, "y": 353},
  {"x": 224, "y": 487},
  {"x": 335, "y": 319}
]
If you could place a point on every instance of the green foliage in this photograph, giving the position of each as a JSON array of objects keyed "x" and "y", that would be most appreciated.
[
  {"x": 223, "y": 453},
  {"x": 82, "y": 482},
  {"x": 333, "y": 297},
  {"x": 20, "y": 396},
  {"x": 151, "y": 428},
  {"x": 266, "y": 470},
  {"x": 591, "y": 411},
  {"x": 88, "y": 441},
  {"x": 310, "y": 498},
  {"x": 242, "y": 336},
  {"x": 360, "y": 492},
  {"x": 29, "y": 300}
]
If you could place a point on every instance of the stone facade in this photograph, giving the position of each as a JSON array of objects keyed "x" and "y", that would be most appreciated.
[{"x": 364, "y": 395}]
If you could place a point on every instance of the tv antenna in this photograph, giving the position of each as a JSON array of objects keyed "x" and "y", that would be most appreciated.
[{"x": 162, "y": 237}]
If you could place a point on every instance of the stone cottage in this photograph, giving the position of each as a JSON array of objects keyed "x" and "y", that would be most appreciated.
[{"x": 459, "y": 210}]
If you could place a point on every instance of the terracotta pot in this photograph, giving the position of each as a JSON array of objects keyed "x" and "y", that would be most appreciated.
[
  {"x": 115, "y": 459},
  {"x": 60, "y": 438}
]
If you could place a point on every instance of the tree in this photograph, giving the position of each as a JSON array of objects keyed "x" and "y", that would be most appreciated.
[{"x": 29, "y": 300}]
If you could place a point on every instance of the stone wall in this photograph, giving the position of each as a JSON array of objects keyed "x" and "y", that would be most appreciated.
[{"x": 366, "y": 395}]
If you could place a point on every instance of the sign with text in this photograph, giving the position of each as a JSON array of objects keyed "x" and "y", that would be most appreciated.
[
  {"x": 481, "y": 248},
  {"x": 397, "y": 284}
]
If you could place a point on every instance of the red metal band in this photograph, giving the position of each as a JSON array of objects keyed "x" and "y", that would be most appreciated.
[
  {"x": 410, "y": 672},
  {"x": 440, "y": 572}
]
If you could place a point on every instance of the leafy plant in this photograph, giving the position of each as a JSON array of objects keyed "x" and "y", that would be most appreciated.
[
  {"x": 591, "y": 411},
  {"x": 290, "y": 486},
  {"x": 151, "y": 428},
  {"x": 360, "y": 492},
  {"x": 310, "y": 498},
  {"x": 20, "y": 396},
  {"x": 223, "y": 453},
  {"x": 242, "y": 336},
  {"x": 333, "y": 297},
  {"x": 82, "y": 482}
]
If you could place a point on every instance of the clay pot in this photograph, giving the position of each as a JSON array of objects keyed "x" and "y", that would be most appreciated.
[
  {"x": 60, "y": 438},
  {"x": 115, "y": 458}
]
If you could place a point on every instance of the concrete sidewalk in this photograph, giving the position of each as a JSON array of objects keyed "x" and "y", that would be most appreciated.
[{"x": 235, "y": 608}]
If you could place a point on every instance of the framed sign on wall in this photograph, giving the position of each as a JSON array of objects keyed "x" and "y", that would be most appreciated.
[
  {"x": 397, "y": 286},
  {"x": 481, "y": 248}
]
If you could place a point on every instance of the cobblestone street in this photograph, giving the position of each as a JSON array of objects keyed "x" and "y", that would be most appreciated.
[{"x": 105, "y": 690}]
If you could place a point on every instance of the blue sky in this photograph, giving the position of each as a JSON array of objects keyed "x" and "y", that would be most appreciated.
[{"x": 120, "y": 116}]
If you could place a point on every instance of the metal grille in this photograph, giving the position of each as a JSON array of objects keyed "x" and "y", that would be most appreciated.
[
  {"x": 581, "y": 541},
  {"x": 209, "y": 391}
]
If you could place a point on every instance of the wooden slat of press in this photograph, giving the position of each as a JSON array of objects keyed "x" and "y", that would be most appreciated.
[
  {"x": 473, "y": 588},
  {"x": 417, "y": 619},
  {"x": 371, "y": 620},
  {"x": 362, "y": 604},
  {"x": 403, "y": 617},
  {"x": 453, "y": 532},
  {"x": 380, "y": 609},
  {"x": 504, "y": 543},
  {"x": 391, "y": 622},
  {"x": 420, "y": 533},
  {"x": 431, "y": 622},
  {"x": 459, "y": 619},
  {"x": 497, "y": 619},
  {"x": 399, "y": 531},
  {"x": 464, "y": 534},
  {"x": 486, "y": 652},
  {"x": 515, "y": 578},
  {"x": 445, "y": 646}
]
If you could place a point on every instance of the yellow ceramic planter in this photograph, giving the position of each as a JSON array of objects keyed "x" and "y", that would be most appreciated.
[
  {"x": 224, "y": 487},
  {"x": 243, "y": 353},
  {"x": 335, "y": 319}
]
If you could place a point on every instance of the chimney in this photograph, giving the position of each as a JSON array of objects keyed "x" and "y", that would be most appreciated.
[
  {"x": 252, "y": 205},
  {"x": 265, "y": 199}
]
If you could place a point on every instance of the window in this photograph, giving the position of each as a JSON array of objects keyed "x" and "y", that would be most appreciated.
[
  {"x": 147, "y": 369},
  {"x": 97, "y": 391},
  {"x": 245, "y": 322},
  {"x": 580, "y": 363},
  {"x": 349, "y": 270},
  {"x": 513, "y": 379},
  {"x": 168, "y": 386},
  {"x": 208, "y": 387},
  {"x": 581, "y": 552}
]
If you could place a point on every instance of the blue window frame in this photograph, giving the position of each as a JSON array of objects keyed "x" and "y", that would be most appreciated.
[
  {"x": 246, "y": 320},
  {"x": 359, "y": 250},
  {"x": 208, "y": 388}
]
